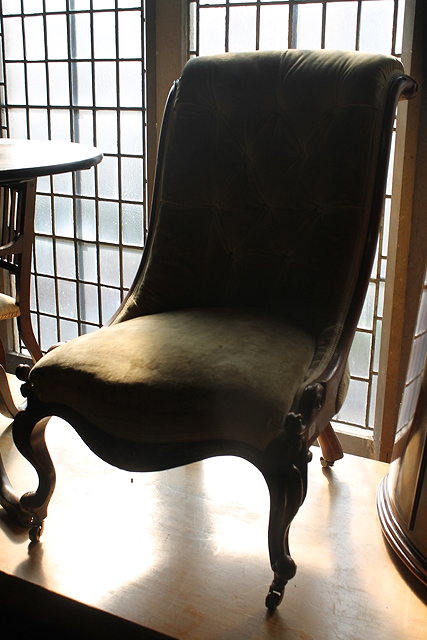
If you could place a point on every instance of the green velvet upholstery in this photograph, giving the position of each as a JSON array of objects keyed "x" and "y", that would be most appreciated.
[
  {"x": 264, "y": 195},
  {"x": 265, "y": 185},
  {"x": 182, "y": 375}
]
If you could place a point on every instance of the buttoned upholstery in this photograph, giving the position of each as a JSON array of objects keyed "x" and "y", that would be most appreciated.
[{"x": 267, "y": 175}]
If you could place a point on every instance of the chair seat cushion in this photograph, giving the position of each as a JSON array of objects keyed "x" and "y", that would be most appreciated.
[
  {"x": 181, "y": 376},
  {"x": 8, "y": 307}
]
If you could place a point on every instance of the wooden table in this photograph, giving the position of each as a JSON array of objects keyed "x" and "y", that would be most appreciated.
[
  {"x": 21, "y": 163},
  {"x": 26, "y": 160}
]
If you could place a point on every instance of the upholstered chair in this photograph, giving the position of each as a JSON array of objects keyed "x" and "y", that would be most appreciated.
[{"x": 235, "y": 335}]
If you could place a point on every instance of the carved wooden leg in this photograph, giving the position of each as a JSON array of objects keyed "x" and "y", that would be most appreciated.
[
  {"x": 287, "y": 493},
  {"x": 330, "y": 446},
  {"x": 28, "y": 434},
  {"x": 10, "y": 501}
]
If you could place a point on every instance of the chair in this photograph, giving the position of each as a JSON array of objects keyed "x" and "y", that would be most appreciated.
[
  {"x": 17, "y": 203},
  {"x": 235, "y": 335}
]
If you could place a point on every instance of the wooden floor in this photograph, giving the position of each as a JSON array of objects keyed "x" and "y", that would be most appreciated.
[{"x": 184, "y": 552}]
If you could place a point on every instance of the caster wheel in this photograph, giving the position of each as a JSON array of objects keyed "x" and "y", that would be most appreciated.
[
  {"x": 326, "y": 463},
  {"x": 36, "y": 531},
  {"x": 273, "y": 599}
]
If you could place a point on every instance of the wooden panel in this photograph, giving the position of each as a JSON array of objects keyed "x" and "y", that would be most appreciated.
[{"x": 408, "y": 237}]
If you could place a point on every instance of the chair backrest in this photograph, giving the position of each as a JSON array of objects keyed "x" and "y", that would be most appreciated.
[
  {"x": 17, "y": 234},
  {"x": 270, "y": 183}
]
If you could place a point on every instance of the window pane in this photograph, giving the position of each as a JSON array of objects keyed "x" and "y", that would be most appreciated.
[
  {"x": 341, "y": 23},
  {"x": 422, "y": 314},
  {"x": 89, "y": 303},
  {"x": 132, "y": 224},
  {"x": 67, "y": 330},
  {"x": 87, "y": 261},
  {"x": 131, "y": 260},
  {"x": 67, "y": 296},
  {"x": 108, "y": 178},
  {"x": 63, "y": 183},
  {"x": 15, "y": 80},
  {"x": 106, "y": 131},
  {"x": 132, "y": 179},
  {"x": 309, "y": 26},
  {"x": 110, "y": 301},
  {"x": 367, "y": 315},
  {"x": 212, "y": 31},
  {"x": 109, "y": 263},
  {"x": 59, "y": 90},
  {"x": 13, "y": 43},
  {"x": 55, "y": 5},
  {"x": 18, "y": 126},
  {"x": 85, "y": 183},
  {"x": 65, "y": 259},
  {"x": 48, "y": 332},
  {"x": 131, "y": 129},
  {"x": 242, "y": 28},
  {"x": 82, "y": 30},
  {"x": 85, "y": 219},
  {"x": 130, "y": 84},
  {"x": 33, "y": 6},
  {"x": 36, "y": 82},
  {"x": 354, "y": 407},
  {"x": 109, "y": 222},
  {"x": 56, "y": 29},
  {"x": 377, "y": 12},
  {"x": 83, "y": 93},
  {"x": 60, "y": 124},
  {"x": 34, "y": 38},
  {"x": 43, "y": 218},
  {"x": 44, "y": 255},
  {"x": 105, "y": 84},
  {"x": 64, "y": 222},
  {"x": 130, "y": 39},
  {"x": 38, "y": 124},
  {"x": 360, "y": 355},
  {"x": 83, "y": 128},
  {"x": 46, "y": 295},
  {"x": 104, "y": 31},
  {"x": 273, "y": 32}
]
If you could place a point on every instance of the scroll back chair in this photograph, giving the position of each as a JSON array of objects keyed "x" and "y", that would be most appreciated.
[
  {"x": 17, "y": 202},
  {"x": 235, "y": 335}
]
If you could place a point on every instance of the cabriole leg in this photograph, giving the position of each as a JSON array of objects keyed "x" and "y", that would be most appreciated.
[
  {"x": 29, "y": 436},
  {"x": 287, "y": 493}
]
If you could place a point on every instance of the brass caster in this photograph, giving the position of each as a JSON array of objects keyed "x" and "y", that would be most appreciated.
[
  {"x": 326, "y": 463},
  {"x": 274, "y": 598},
  {"x": 36, "y": 531}
]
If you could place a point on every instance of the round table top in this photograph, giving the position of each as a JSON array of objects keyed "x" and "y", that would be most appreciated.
[{"x": 26, "y": 159}]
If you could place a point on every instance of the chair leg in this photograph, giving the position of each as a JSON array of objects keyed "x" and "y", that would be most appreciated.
[
  {"x": 28, "y": 434},
  {"x": 25, "y": 330},
  {"x": 287, "y": 493},
  {"x": 330, "y": 446},
  {"x": 7, "y": 404},
  {"x": 10, "y": 501}
]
